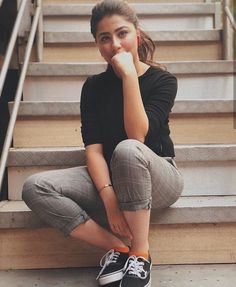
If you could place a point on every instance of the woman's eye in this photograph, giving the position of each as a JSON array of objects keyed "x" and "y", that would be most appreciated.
[
  {"x": 123, "y": 33},
  {"x": 104, "y": 39}
]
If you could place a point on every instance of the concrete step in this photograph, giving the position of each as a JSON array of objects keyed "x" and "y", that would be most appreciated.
[
  {"x": 187, "y": 210},
  {"x": 85, "y": 37},
  {"x": 166, "y": 51},
  {"x": 147, "y": 8},
  {"x": 215, "y": 163},
  {"x": 198, "y": 106},
  {"x": 87, "y": 68},
  {"x": 171, "y": 46},
  {"x": 64, "y": 81},
  {"x": 32, "y": 248},
  {"x": 208, "y": 275},
  {"x": 76, "y": 17},
  {"x": 55, "y": 124},
  {"x": 184, "y": 45}
]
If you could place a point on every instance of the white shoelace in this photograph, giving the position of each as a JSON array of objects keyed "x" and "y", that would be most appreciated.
[
  {"x": 110, "y": 257},
  {"x": 135, "y": 267}
]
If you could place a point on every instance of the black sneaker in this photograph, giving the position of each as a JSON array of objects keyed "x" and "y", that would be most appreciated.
[
  {"x": 137, "y": 272},
  {"x": 112, "y": 264}
]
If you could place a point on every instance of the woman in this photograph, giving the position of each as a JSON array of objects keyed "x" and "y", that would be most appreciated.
[{"x": 130, "y": 166}]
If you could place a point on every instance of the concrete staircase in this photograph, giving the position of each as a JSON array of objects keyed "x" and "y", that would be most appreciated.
[
  {"x": 201, "y": 226},
  {"x": 196, "y": 34}
]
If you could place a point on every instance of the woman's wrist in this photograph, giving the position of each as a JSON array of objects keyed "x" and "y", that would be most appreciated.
[
  {"x": 109, "y": 198},
  {"x": 107, "y": 194},
  {"x": 107, "y": 185},
  {"x": 132, "y": 73}
]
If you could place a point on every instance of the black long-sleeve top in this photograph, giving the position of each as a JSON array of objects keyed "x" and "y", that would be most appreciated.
[{"x": 102, "y": 110}]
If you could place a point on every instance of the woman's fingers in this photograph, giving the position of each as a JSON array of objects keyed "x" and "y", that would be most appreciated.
[
  {"x": 127, "y": 232},
  {"x": 123, "y": 230},
  {"x": 114, "y": 229},
  {"x": 119, "y": 226}
]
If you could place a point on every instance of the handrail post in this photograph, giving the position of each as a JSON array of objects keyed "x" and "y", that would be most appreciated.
[
  {"x": 227, "y": 33},
  {"x": 39, "y": 34}
]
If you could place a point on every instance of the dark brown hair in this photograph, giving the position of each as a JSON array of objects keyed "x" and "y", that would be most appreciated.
[{"x": 146, "y": 48}]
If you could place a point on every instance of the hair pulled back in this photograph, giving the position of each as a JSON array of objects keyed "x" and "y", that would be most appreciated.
[{"x": 146, "y": 48}]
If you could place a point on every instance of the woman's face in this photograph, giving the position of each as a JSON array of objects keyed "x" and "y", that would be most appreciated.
[{"x": 114, "y": 35}]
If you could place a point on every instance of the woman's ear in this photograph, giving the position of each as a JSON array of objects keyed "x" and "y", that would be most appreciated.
[
  {"x": 139, "y": 40},
  {"x": 138, "y": 31}
]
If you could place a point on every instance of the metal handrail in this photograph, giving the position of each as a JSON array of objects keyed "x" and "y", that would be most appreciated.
[
  {"x": 228, "y": 31},
  {"x": 230, "y": 17},
  {"x": 8, "y": 138},
  {"x": 39, "y": 35},
  {"x": 11, "y": 44}
]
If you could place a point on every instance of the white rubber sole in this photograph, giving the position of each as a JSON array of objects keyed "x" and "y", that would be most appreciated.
[{"x": 112, "y": 277}]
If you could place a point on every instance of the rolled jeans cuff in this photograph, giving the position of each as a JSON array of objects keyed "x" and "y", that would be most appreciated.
[
  {"x": 136, "y": 205},
  {"x": 76, "y": 221}
]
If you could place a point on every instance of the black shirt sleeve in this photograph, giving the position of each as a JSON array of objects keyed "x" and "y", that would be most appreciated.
[
  {"x": 90, "y": 127},
  {"x": 159, "y": 104}
]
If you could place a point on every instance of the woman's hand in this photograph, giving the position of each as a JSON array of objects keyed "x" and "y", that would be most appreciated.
[
  {"x": 123, "y": 64},
  {"x": 118, "y": 223},
  {"x": 115, "y": 216}
]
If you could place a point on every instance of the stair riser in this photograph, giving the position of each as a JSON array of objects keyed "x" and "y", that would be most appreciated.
[
  {"x": 68, "y": 88},
  {"x": 65, "y": 131},
  {"x": 47, "y": 132},
  {"x": 160, "y": 22},
  {"x": 203, "y": 129},
  {"x": 209, "y": 178},
  {"x": 173, "y": 244},
  {"x": 218, "y": 178},
  {"x": 164, "y": 52}
]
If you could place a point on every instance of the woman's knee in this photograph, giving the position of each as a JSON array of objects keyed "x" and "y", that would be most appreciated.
[
  {"x": 130, "y": 173},
  {"x": 125, "y": 152},
  {"x": 30, "y": 187}
]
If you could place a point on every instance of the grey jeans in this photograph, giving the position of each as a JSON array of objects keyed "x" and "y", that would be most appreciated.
[{"x": 66, "y": 198}]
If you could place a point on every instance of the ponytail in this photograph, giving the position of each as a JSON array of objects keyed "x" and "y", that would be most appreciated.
[{"x": 146, "y": 51}]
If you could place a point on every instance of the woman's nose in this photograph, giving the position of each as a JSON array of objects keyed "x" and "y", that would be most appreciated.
[{"x": 116, "y": 43}]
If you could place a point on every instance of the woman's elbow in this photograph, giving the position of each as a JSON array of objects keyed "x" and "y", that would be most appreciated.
[{"x": 140, "y": 138}]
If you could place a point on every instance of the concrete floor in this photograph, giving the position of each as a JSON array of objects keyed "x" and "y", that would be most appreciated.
[{"x": 223, "y": 275}]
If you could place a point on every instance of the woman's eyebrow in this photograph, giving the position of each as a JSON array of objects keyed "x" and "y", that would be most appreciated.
[{"x": 107, "y": 33}]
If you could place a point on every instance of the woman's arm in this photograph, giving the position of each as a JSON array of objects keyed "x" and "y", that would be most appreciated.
[
  {"x": 99, "y": 173},
  {"x": 97, "y": 166},
  {"x": 135, "y": 118}
]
